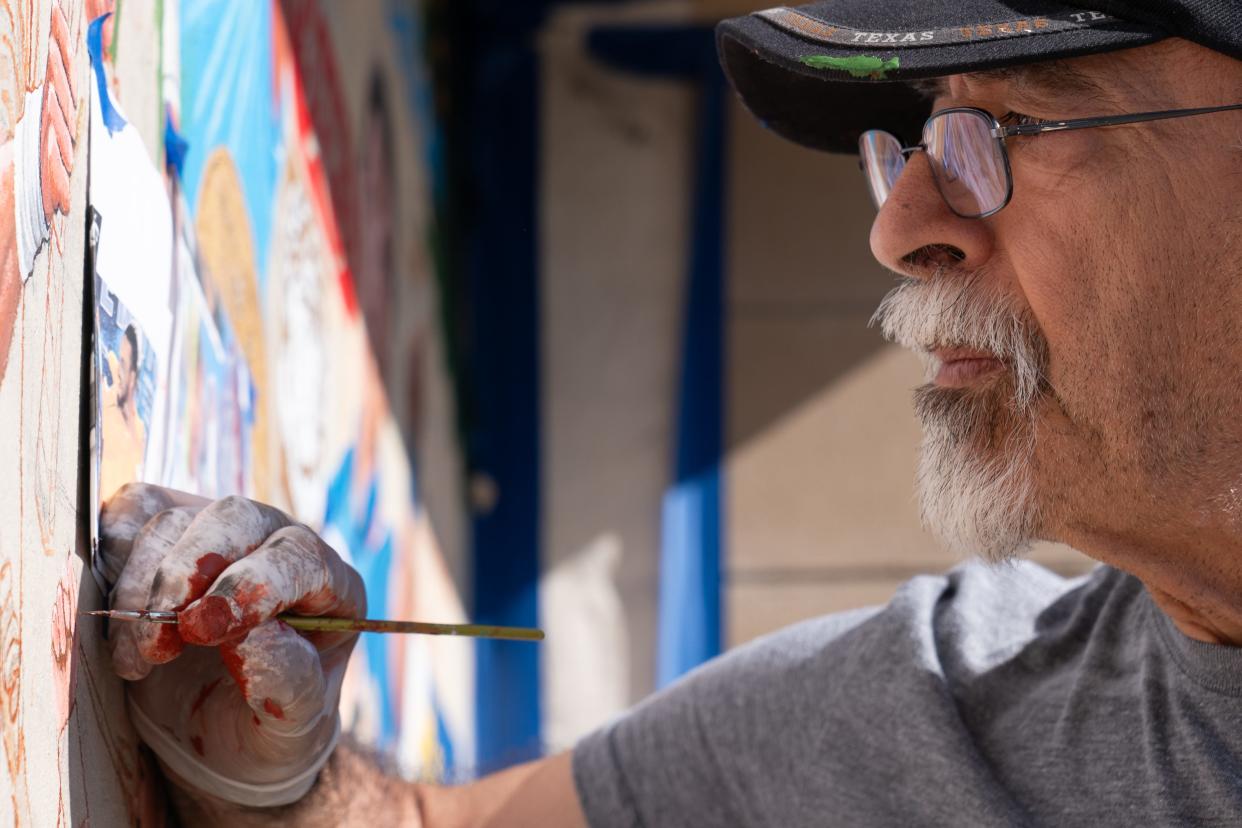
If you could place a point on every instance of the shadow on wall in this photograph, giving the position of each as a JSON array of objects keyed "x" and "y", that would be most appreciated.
[{"x": 802, "y": 281}]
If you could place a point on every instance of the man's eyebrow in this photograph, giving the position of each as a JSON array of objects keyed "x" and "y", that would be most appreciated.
[{"x": 1047, "y": 80}]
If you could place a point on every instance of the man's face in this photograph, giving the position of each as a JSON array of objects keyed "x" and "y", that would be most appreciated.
[
  {"x": 1114, "y": 277},
  {"x": 129, "y": 371}
]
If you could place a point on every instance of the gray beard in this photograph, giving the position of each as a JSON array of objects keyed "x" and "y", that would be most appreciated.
[
  {"x": 975, "y": 484},
  {"x": 976, "y": 478}
]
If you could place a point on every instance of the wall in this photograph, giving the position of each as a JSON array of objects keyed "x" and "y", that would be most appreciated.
[{"x": 615, "y": 208}]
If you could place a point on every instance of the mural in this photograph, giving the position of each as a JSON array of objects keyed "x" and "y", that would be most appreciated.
[
  {"x": 38, "y": 127},
  {"x": 126, "y": 389},
  {"x": 247, "y": 284}
]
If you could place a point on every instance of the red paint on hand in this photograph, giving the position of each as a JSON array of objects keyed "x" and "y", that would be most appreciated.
[
  {"x": 206, "y": 569},
  {"x": 273, "y": 709},
  {"x": 202, "y": 697},
  {"x": 234, "y": 663},
  {"x": 166, "y": 647},
  {"x": 248, "y": 596},
  {"x": 197, "y": 741},
  {"x": 208, "y": 622}
]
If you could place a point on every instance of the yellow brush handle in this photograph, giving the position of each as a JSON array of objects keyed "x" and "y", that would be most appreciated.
[{"x": 320, "y": 624}]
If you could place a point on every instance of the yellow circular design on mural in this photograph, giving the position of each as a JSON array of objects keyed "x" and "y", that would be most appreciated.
[{"x": 226, "y": 251}]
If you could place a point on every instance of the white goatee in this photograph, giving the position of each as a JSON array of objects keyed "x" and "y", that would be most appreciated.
[{"x": 975, "y": 479}]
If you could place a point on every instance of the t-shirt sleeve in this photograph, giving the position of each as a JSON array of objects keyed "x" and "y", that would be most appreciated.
[{"x": 674, "y": 759}]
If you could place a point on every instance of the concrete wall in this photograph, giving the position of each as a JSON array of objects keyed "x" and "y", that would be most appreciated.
[{"x": 615, "y": 209}]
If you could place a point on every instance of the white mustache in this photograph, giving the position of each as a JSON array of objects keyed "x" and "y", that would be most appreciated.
[{"x": 942, "y": 311}]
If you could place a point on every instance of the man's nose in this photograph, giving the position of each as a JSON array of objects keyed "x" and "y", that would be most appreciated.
[{"x": 915, "y": 232}]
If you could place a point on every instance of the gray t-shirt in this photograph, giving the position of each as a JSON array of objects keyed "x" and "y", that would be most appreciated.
[{"x": 987, "y": 696}]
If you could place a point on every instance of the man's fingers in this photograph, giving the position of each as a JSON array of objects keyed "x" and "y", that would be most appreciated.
[
  {"x": 153, "y": 542},
  {"x": 126, "y": 513},
  {"x": 279, "y": 675},
  {"x": 124, "y": 516},
  {"x": 222, "y": 533},
  {"x": 294, "y": 571}
]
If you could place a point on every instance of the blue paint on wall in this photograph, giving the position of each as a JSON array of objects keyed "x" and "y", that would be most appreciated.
[
  {"x": 228, "y": 100},
  {"x": 352, "y": 515},
  {"x": 94, "y": 45}
]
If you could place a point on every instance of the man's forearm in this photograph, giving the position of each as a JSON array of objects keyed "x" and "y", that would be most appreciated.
[
  {"x": 538, "y": 794},
  {"x": 352, "y": 790}
]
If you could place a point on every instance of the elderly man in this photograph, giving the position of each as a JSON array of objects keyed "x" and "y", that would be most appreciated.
[{"x": 1066, "y": 223}]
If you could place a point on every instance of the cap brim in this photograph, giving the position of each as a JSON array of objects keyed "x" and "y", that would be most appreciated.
[{"x": 823, "y": 74}]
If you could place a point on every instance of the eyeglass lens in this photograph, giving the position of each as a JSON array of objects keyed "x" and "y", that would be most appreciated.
[
  {"x": 967, "y": 161},
  {"x": 882, "y": 163}
]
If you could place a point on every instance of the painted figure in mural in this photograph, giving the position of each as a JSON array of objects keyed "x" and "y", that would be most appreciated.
[
  {"x": 124, "y": 433},
  {"x": 38, "y": 134},
  {"x": 226, "y": 267},
  {"x": 301, "y": 358}
]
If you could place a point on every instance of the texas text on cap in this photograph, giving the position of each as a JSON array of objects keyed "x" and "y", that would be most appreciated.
[{"x": 824, "y": 73}]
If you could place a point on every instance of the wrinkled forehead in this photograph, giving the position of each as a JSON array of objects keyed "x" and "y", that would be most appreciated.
[{"x": 1049, "y": 80}]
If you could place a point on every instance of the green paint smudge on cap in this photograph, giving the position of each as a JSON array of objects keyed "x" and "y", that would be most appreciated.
[{"x": 861, "y": 66}]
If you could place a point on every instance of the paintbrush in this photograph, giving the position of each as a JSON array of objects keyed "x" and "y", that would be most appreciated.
[{"x": 309, "y": 624}]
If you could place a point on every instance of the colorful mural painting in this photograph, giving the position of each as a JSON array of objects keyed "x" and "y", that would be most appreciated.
[
  {"x": 38, "y": 128},
  {"x": 330, "y": 433},
  {"x": 126, "y": 391},
  {"x": 245, "y": 285}
]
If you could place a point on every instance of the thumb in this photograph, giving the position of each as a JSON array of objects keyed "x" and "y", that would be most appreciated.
[
  {"x": 293, "y": 570},
  {"x": 280, "y": 677}
]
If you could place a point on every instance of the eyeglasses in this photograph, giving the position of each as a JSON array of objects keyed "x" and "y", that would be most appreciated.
[{"x": 968, "y": 156}]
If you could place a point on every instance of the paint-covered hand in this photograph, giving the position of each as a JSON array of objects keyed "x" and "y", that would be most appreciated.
[{"x": 235, "y": 703}]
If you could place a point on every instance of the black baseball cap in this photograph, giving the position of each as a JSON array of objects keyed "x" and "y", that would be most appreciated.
[{"x": 823, "y": 73}]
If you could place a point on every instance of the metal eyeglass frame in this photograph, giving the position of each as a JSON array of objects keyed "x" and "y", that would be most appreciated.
[{"x": 1003, "y": 133}]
